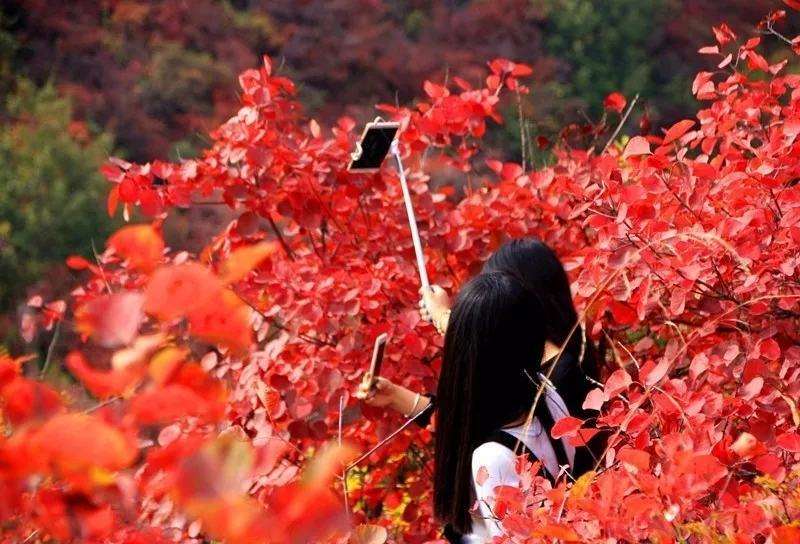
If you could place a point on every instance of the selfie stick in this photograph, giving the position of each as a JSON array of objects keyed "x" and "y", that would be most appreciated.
[{"x": 394, "y": 149}]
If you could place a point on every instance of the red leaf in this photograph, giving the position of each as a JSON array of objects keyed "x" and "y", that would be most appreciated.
[
  {"x": 615, "y": 102},
  {"x": 113, "y": 201},
  {"x": 637, "y": 146},
  {"x": 617, "y": 383},
  {"x": 652, "y": 373},
  {"x": 25, "y": 400},
  {"x": 770, "y": 349},
  {"x": 622, "y": 313},
  {"x": 789, "y": 441},
  {"x": 594, "y": 399},
  {"x": 169, "y": 404},
  {"x": 76, "y": 262},
  {"x": 677, "y": 130},
  {"x": 724, "y": 34},
  {"x": 111, "y": 320},
  {"x": 566, "y": 426},
  {"x": 582, "y": 437},
  {"x": 435, "y": 91},
  {"x": 637, "y": 458},
  {"x": 104, "y": 384}
]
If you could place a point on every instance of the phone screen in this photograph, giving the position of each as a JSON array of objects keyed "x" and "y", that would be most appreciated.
[{"x": 377, "y": 355}]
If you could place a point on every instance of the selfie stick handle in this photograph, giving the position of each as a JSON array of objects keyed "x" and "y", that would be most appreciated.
[{"x": 394, "y": 149}]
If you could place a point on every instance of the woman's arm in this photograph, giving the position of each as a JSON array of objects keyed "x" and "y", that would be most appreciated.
[{"x": 385, "y": 394}]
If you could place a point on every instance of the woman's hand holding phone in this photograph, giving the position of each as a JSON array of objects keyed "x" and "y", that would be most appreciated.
[
  {"x": 378, "y": 392},
  {"x": 382, "y": 393}
]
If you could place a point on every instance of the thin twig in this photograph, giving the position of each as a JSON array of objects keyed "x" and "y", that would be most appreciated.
[
  {"x": 278, "y": 233},
  {"x": 621, "y": 124},
  {"x": 50, "y": 350},
  {"x": 101, "y": 405},
  {"x": 521, "y": 120},
  {"x": 308, "y": 338},
  {"x": 380, "y": 444},
  {"x": 100, "y": 266}
]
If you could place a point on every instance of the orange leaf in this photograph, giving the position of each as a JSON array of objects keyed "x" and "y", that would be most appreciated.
[
  {"x": 165, "y": 363},
  {"x": 173, "y": 291},
  {"x": 140, "y": 245},
  {"x": 113, "y": 201},
  {"x": 173, "y": 402},
  {"x": 244, "y": 259},
  {"x": 223, "y": 319},
  {"x": 558, "y": 531},
  {"x": 787, "y": 534},
  {"x": 104, "y": 384},
  {"x": 79, "y": 442}
]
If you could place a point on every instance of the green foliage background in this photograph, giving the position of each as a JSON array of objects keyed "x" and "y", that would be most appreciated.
[{"x": 51, "y": 191}]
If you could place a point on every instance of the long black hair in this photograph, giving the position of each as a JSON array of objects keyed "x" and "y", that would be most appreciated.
[
  {"x": 576, "y": 372},
  {"x": 492, "y": 353},
  {"x": 538, "y": 268}
]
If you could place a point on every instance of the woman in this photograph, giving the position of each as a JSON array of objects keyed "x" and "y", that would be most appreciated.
[
  {"x": 497, "y": 336},
  {"x": 540, "y": 271}
]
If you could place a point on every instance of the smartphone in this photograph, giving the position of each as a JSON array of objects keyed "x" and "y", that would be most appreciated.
[
  {"x": 372, "y": 148},
  {"x": 377, "y": 356}
]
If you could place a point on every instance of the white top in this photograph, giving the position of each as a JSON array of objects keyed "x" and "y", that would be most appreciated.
[{"x": 496, "y": 465}]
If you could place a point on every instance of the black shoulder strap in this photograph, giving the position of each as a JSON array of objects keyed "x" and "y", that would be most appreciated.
[
  {"x": 511, "y": 442},
  {"x": 516, "y": 445}
]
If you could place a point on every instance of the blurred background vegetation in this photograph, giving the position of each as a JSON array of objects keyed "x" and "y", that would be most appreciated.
[{"x": 146, "y": 79}]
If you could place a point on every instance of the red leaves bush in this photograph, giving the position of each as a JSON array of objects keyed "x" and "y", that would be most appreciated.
[{"x": 682, "y": 252}]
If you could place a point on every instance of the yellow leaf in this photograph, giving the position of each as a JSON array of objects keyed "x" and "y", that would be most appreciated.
[{"x": 581, "y": 486}]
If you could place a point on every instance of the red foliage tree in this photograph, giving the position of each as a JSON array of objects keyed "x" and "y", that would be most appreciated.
[{"x": 681, "y": 249}]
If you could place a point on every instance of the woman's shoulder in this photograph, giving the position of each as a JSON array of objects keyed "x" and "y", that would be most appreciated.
[{"x": 494, "y": 457}]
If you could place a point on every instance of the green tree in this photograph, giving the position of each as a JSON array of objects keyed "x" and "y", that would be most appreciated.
[
  {"x": 611, "y": 45},
  {"x": 51, "y": 192}
]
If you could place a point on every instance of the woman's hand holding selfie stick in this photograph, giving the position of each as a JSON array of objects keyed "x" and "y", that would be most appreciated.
[{"x": 434, "y": 307}]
